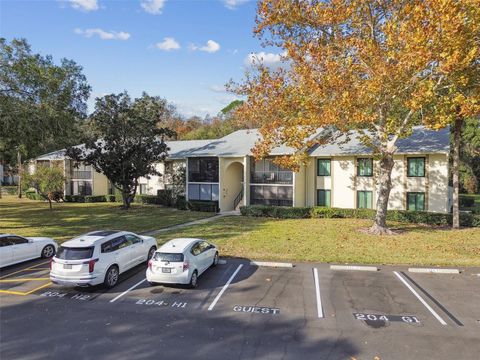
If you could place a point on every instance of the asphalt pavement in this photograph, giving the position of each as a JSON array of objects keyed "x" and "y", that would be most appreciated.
[{"x": 241, "y": 311}]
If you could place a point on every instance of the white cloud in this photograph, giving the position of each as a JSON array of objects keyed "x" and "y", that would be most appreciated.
[
  {"x": 210, "y": 47},
  {"x": 168, "y": 44},
  {"x": 270, "y": 60},
  {"x": 85, "y": 5},
  {"x": 153, "y": 7},
  {"x": 102, "y": 34},
  {"x": 233, "y": 4},
  {"x": 218, "y": 88}
]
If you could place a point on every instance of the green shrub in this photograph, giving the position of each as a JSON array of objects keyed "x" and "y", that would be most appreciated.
[
  {"x": 465, "y": 202},
  {"x": 280, "y": 212},
  {"x": 110, "y": 198},
  {"x": 207, "y": 206},
  {"x": 32, "y": 195},
  {"x": 406, "y": 216},
  {"x": 76, "y": 198},
  {"x": 95, "y": 198},
  {"x": 181, "y": 203},
  {"x": 165, "y": 197},
  {"x": 147, "y": 199},
  {"x": 10, "y": 190}
]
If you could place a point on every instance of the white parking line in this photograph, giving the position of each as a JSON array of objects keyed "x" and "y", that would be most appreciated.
[
  {"x": 224, "y": 288},
  {"x": 317, "y": 293},
  {"x": 128, "y": 290},
  {"x": 420, "y": 298}
]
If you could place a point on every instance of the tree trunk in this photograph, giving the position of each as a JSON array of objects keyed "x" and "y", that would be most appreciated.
[
  {"x": 50, "y": 203},
  {"x": 126, "y": 199},
  {"x": 19, "y": 164},
  {"x": 456, "y": 160},
  {"x": 379, "y": 226}
]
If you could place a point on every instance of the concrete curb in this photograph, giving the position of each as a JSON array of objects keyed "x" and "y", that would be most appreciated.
[
  {"x": 433, "y": 271},
  {"x": 353, "y": 267},
  {"x": 271, "y": 264}
]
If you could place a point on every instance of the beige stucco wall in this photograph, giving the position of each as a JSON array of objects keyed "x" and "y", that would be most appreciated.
[
  {"x": 299, "y": 187},
  {"x": 343, "y": 179},
  {"x": 158, "y": 182},
  {"x": 397, "y": 194},
  {"x": 438, "y": 183},
  {"x": 344, "y": 183},
  {"x": 230, "y": 173},
  {"x": 100, "y": 183},
  {"x": 310, "y": 182}
]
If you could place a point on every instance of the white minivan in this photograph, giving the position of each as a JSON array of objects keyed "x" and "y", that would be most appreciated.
[
  {"x": 181, "y": 261},
  {"x": 99, "y": 257}
]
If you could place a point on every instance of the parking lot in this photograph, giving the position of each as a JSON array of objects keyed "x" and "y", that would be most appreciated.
[{"x": 244, "y": 311}]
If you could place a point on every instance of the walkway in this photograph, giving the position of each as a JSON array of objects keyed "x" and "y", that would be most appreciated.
[{"x": 190, "y": 223}]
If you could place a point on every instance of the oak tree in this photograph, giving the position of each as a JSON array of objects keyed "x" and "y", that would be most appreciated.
[
  {"x": 125, "y": 142},
  {"x": 370, "y": 66}
]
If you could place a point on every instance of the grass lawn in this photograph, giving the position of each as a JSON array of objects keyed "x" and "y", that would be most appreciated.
[
  {"x": 33, "y": 218},
  {"x": 335, "y": 240}
]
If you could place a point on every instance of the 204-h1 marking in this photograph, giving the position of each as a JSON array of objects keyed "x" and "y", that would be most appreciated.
[
  {"x": 409, "y": 319},
  {"x": 151, "y": 302}
]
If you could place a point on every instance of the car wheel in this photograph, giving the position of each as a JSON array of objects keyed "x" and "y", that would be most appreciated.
[
  {"x": 48, "y": 251},
  {"x": 111, "y": 277},
  {"x": 193, "y": 280},
  {"x": 151, "y": 252},
  {"x": 215, "y": 259}
]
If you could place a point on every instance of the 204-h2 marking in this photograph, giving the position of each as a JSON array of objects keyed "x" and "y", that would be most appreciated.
[{"x": 409, "y": 319}]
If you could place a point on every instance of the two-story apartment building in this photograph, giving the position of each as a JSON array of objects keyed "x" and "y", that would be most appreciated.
[{"x": 341, "y": 174}]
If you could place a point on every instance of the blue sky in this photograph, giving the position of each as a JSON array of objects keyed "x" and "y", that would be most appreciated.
[{"x": 184, "y": 51}]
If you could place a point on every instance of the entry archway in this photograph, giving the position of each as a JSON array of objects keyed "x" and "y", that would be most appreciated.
[{"x": 232, "y": 186}]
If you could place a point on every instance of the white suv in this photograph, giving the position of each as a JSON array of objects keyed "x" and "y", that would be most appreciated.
[
  {"x": 99, "y": 257},
  {"x": 181, "y": 261}
]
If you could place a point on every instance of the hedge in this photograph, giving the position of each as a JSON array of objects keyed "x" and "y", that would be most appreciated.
[
  {"x": 10, "y": 190},
  {"x": 95, "y": 198},
  {"x": 32, "y": 195},
  {"x": 75, "y": 198},
  {"x": 417, "y": 217},
  {"x": 147, "y": 199},
  {"x": 466, "y": 201},
  {"x": 207, "y": 206}
]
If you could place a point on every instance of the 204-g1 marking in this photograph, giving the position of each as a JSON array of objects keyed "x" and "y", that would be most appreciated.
[{"x": 409, "y": 319}]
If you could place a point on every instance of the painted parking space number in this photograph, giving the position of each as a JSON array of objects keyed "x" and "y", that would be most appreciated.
[
  {"x": 377, "y": 317},
  {"x": 256, "y": 309},
  {"x": 78, "y": 296},
  {"x": 151, "y": 302}
]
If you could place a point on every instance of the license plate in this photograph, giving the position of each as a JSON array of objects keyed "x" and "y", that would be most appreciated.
[
  {"x": 166, "y": 270},
  {"x": 67, "y": 266}
]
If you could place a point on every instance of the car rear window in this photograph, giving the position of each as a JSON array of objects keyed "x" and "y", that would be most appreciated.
[
  {"x": 68, "y": 253},
  {"x": 172, "y": 257}
]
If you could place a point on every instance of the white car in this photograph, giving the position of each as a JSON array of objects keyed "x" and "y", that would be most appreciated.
[
  {"x": 99, "y": 257},
  {"x": 15, "y": 249},
  {"x": 181, "y": 261}
]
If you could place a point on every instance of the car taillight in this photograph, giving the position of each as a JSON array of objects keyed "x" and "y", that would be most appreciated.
[
  {"x": 186, "y": 265},
  {"x": 51, "y": 262},
  {"x": 91, "y": 264},
  {"x": 150, "y": 264}
]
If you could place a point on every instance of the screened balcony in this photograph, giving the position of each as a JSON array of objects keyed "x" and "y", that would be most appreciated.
[{"x": 265, "y": 171}]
